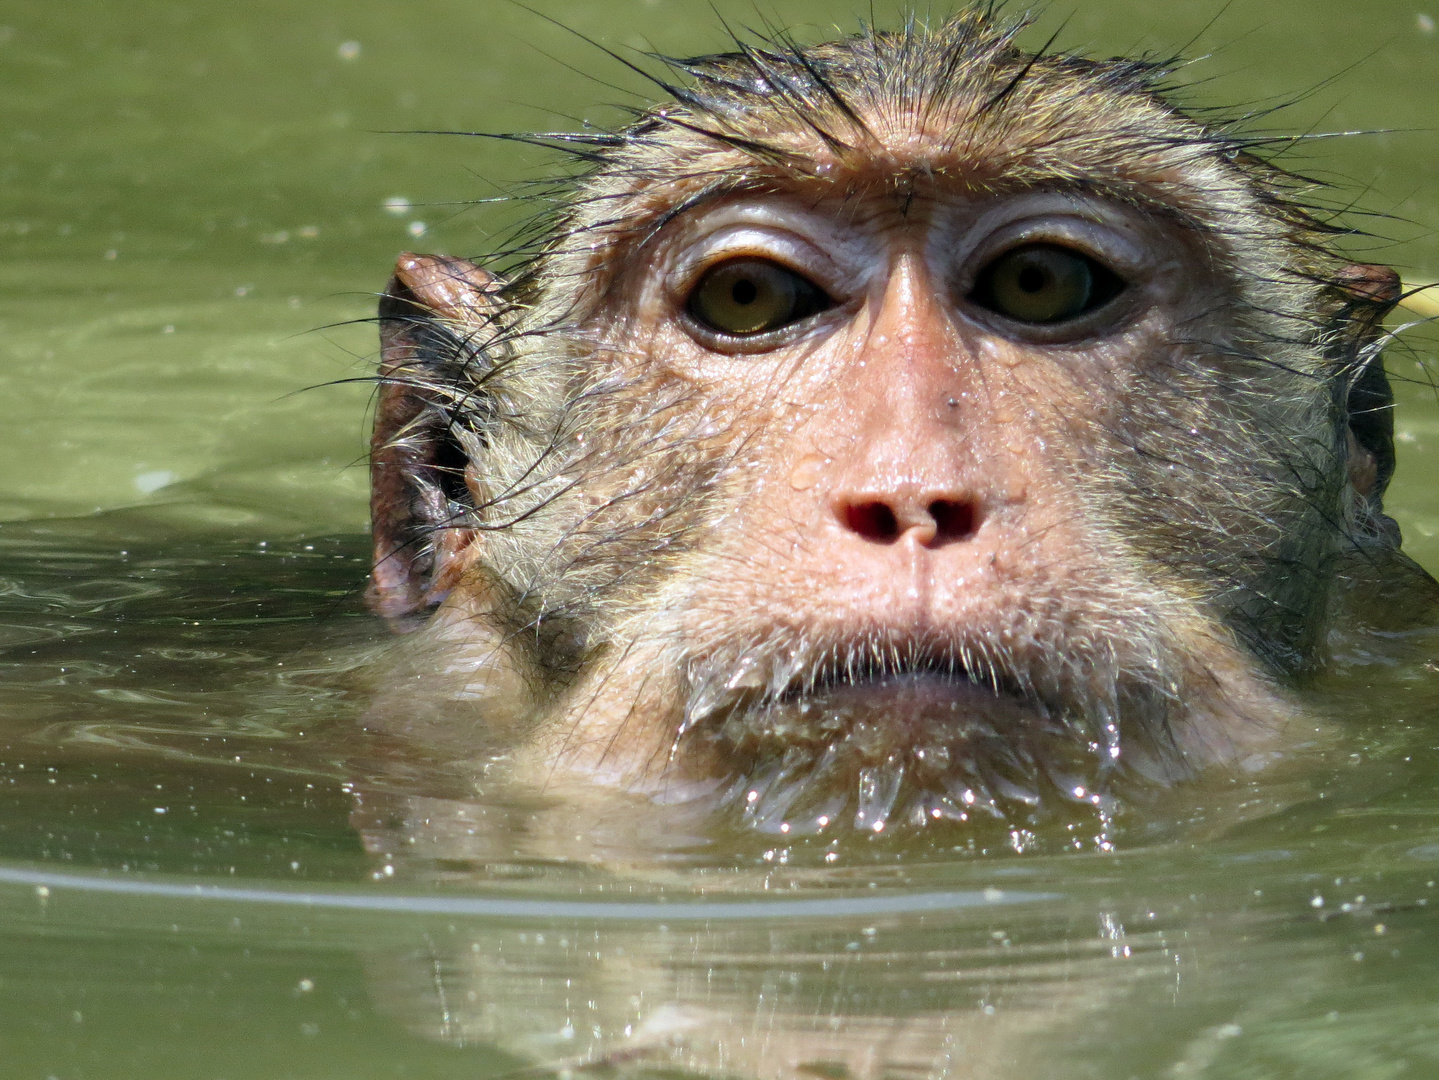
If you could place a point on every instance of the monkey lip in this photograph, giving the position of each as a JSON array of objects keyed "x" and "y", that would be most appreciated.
[
  {"x": 906, "y": 706},
  {"x": 921, "y": 681},
  {"x": 920, "y": 689}
]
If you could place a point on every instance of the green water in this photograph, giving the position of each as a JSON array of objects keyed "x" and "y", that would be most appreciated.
[{"x": 192, "y": 220}]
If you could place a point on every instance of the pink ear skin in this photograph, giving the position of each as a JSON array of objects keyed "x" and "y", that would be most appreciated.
[
  {"x": 427, "y": 313},
  {"x": 1373, "y": 284}
]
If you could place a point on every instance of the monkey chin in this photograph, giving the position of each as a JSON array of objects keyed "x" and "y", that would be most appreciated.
[
  {"x": 861, "y": 737},
  {"x": 877, "y": 749}
]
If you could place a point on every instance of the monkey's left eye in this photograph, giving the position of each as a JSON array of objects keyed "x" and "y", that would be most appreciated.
[
  {"x": 744, "y": 297},
  {"x": 1045, "y": 283}
]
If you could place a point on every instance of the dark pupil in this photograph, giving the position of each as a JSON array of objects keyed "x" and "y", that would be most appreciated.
[
  {"x": 744, "y": 292},
  {"x": 1032, "y": 279}
]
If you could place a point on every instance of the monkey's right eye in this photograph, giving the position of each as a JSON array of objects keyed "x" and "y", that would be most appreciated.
[{"x": 744, "y": 297}]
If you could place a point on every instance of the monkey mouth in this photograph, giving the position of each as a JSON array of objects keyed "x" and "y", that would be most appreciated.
[
  {"x": 904, "y": 704},
  {"x": 917, "y": 739},
  {"x": 912, "y": 694},
  {"x": 912, "y": 672},
  {"x": 916, "y": 678}
]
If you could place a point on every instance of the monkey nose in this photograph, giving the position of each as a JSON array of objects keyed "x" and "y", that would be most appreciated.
[{"x": 929, "y": 520}]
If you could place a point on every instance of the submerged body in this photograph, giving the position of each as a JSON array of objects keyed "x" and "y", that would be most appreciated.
[{"x": 898, "y": 429}]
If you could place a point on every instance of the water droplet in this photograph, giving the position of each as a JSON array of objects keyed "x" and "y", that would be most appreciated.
[{"x": 807, "y": 472}]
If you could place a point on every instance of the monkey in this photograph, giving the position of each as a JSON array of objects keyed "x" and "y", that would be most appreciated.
[
  {"x": 902, "y": 437},
  {"x": 900, "y": 431}
]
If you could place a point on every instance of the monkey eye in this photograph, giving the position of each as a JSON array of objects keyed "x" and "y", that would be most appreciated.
[
  {"x": 748, "y": 296},
  {"x": 1045, "y": 283}
]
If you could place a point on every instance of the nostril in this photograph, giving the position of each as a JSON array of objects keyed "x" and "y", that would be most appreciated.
[
  {"x": 935, "y": 522},
  {"x": 953, "y": 520},
  {"x": 873, "y": 521}
]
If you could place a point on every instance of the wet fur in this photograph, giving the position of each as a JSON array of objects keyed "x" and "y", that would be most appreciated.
[{"x": 576, "y": 505}]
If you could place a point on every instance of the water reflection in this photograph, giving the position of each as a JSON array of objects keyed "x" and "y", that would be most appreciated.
[
  {"x": 871, "y": 985},
  {"x": 933, "y": 997}
]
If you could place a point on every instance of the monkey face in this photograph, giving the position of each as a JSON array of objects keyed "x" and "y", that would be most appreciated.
[
  {"x": 912, "y": 448},
  {"x": 891, "y": 461}
]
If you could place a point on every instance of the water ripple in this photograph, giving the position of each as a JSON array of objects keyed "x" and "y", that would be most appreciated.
[{"x": 526, "y": 908}]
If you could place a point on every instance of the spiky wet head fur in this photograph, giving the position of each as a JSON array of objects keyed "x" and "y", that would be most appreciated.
[{"x": 1213, "y": 493}]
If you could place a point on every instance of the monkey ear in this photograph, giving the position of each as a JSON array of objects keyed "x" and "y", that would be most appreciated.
[
  {"x": 1366, "y": 294},
  {"x": 436, "y": 318}
]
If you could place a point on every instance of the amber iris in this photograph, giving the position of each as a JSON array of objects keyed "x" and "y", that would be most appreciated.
[
  {"x": 1045, "y": 283},
  {"x": 744, "y": 297}
]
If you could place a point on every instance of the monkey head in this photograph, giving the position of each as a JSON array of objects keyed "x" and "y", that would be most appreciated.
[{"x": 897, "y": 429}]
